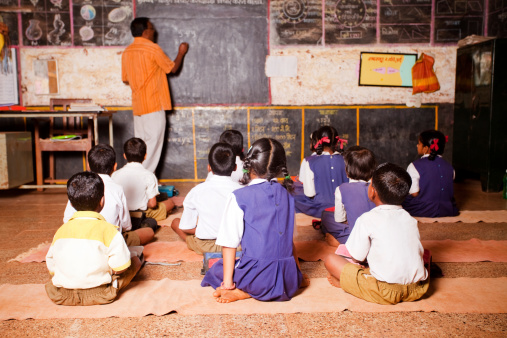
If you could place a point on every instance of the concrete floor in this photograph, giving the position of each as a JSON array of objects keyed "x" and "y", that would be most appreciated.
[{"x": 30, "y": 218}]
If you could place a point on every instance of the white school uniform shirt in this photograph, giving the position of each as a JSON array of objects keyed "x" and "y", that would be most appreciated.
[
  {"x": 204, "y": 206},
  {"x": 306, "y": 177},
  {"x": 115, "y": 209},
  {"x": 340, "y": 215},
  {"x": 388, "y": 237},
  {"x": 139, "y": 185},
  {"x": 236, "y": 174},
  {"x": 414, "y": 175}
]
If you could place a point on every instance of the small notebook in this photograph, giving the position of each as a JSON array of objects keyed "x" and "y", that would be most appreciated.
[{"x": 342, "y": 251}]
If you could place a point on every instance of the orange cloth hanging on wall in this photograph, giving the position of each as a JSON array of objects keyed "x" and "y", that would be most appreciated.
[{"x": 424, "y": 79}]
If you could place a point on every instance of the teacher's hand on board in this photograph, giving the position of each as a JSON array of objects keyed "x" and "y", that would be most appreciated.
[{"x": 183, "y": 48}]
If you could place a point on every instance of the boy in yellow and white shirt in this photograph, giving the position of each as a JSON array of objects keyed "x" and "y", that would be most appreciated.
[{"x": 88, "y": 259}]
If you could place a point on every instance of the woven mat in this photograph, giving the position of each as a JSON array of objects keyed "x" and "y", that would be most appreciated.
[
  {"x": 473, "y": 250},
  {"x": 468, "y": 216},
  {"x": 446, "y": 295}
]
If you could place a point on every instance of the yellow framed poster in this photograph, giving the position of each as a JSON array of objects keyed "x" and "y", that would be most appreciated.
[{"x": 386, "y": 69}]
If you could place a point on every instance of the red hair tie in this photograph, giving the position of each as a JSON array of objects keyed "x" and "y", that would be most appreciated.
[
  {"x": 434, "y": 146},
  {"x": 342, "y": 141},
  {"x": 323, "y": 140},
  {"x": 446, "y": 138}
]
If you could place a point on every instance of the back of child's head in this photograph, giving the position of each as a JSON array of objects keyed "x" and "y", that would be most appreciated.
[
  {"x": 221, "y": 159},
  {"x": 85, "y": 190},
  {"x": 135, "y": 150},
  {"x": 360, "y": 163},
  {"x": 266, "y": 158},
  {"x": 326, "y": 136},
  {"x": 235, "y": 139},
  {"x": 435, "y": 140},
  {"x": 392, "y": 183},
  {"x": 102, "y": 159}
]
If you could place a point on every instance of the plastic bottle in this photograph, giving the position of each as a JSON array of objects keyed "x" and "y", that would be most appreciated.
[{"x": 505, "y": 185}]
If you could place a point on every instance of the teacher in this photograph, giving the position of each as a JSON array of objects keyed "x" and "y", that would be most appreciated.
[{"x": 144, "y": 69}]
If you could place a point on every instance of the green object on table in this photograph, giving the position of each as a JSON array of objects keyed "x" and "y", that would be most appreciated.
[{"x": 64, "y": 137}]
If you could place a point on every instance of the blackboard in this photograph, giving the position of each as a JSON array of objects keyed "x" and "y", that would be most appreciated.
[
  {"x": 497, "y": 19},
  {"x": 456, "y": 19},
  {"x": 296, "y": 22},
  {"x": 351, "y": 22},
  {"x": 405, "y": 21},
  {"x": 392, "y": 134},
  {"x": 343, "y": 119},
  {"x": 209, "y": 124},
  {"x": 102, "y": 22},
  {"x": 283, "y": 125},
  {"x": 227, "y": 48}
]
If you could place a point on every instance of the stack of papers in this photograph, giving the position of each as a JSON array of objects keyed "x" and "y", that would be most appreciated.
[{"x": 85, "y": 107}]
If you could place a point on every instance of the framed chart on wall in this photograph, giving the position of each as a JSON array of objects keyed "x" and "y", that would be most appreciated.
[{"x": 386, "y": 69}]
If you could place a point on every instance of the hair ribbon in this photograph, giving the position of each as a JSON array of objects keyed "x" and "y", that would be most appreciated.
[
  {"x": 446, "y": 138},
  {"x": 323, "y": 140},
  {"x": 434, "y": 145},
  {"x": 342, "y": 141}
]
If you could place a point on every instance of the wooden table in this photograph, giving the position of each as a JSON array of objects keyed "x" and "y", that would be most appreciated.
[{"x": 41, "y": 114}]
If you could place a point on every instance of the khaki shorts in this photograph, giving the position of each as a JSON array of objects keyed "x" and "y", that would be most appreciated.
[
  {"x": 159, "y": 212},
  {"x": 359, "y": 282},
  {"x": 131, "y": 238},
  {"x": 103, "y": 294},
  {"x": 201, "y": 246}
]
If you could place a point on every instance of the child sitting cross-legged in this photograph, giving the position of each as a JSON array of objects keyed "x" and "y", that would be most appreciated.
[
  {"x": 139, "y": 184},
  {"x": 387, "y": 238},
  {"x": 205, "y": 203},
  {"x": 88, "y": 259},
  {"x": 102, "y": 161}
]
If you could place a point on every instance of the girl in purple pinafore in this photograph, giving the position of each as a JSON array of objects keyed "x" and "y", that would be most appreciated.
[
  {"x": 321, "y": 175},
  {"x": 351, "y": 198},
  {"x": 432, "y": 190},
  {"x": 260, "y": 217}
]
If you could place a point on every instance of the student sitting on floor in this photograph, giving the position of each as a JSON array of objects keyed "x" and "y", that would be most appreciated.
[
  {"x": 205, "y": 203},
  {"x": 351, "y": 199},
  {"x": 432, "y": 190},
  {"x": 102, "y": 161},
  {"x": 321, "y": 175},
  {"x": 88, "y": 260},
  {"x": 260, "y": 216},
  {"x": 387, "y": 238},
  {"x": 235, "y": 139},
  {"x": 139, "y": 184}
]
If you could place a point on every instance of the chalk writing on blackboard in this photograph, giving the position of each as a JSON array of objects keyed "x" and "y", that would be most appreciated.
[
  {"x": 351, "y": 22},
  {"x": 455, "y": 19},
  {"x": 48, "y": 24},
  {"x": 405, "y": 21},
  {"x": 282, "y": 125},
  {"x": 102, "y": 23},
  {"x": 296, "y": 22}
]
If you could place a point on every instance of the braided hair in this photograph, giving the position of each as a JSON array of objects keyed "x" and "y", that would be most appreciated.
[
  {"x": 326, "y": 136},
  {"x": 266, "y": 158},
  {"x": 435, "y": 141}
]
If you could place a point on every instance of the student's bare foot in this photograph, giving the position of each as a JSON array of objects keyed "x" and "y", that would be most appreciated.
[
  {"x": 330, "y": 240},
  {"x": 229, "y": 296},
  {"x": 218, "y": 292},
  {"x": 305, "y": 282},
  {"x": 333, "y": 281}
]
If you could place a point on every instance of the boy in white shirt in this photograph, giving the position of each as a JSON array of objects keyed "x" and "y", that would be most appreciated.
[
  {"x": 205, "y": 203},
  {"x": 139, "y": 184},
  {"x": 88, "y": 259},
  {"x": 387, "y": 238},
  {"x": 102, "y": 161}
]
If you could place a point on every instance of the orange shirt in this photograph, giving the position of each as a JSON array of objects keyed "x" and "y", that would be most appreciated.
[{"x": 144, "y": 67}]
